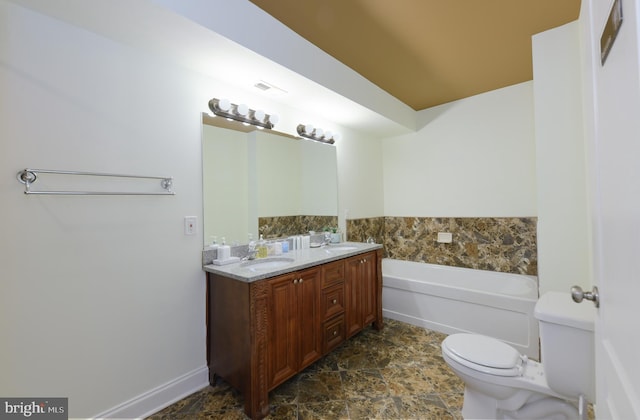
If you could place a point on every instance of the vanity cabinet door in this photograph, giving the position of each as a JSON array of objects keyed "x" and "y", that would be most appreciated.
[
  {"x": 368, "y": 289},
  {"x": 282, "y": 354},
  {"x": 360, "y": 291},
  {"x": 309, "y": 317},
  {"x": 294, "y": 336}
]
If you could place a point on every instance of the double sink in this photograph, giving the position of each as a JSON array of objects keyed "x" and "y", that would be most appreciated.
[{"x": 272, "y": 263}]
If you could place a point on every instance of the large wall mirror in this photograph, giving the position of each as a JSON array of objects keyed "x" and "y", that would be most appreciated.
[{"x": 264, "y": 182}]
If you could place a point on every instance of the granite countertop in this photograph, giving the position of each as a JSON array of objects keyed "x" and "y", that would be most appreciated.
[{"x": 302, "y": 258}]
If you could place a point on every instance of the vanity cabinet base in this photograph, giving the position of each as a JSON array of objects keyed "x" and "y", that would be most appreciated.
[{"x": 241, "y": 317}]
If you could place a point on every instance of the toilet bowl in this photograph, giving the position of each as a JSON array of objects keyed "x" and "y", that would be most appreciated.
[{"x": 500, "y": 383}]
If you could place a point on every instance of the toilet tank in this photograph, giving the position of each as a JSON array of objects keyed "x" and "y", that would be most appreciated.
[{"x": 567, "y": 344}]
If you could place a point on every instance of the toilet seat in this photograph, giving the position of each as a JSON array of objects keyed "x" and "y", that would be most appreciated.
[{"x": 484, "y": 354}]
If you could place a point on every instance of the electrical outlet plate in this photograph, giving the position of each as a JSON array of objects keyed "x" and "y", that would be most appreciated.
[{"x": 445, "y": 237}]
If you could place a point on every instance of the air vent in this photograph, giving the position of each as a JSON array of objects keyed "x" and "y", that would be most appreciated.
[
  {"x": 262, "y": 86},
  {"x": 269, "y": 88}
]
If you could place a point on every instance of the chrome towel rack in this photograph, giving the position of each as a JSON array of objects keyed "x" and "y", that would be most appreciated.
[{"x": 29, "y": 176}]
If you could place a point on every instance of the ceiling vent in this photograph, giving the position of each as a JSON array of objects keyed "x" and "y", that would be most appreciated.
[
  {"x": 269, "y": 88},
  {"x": 262, "y": 86}
]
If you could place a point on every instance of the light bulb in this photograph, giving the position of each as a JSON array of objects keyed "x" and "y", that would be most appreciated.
[
  {"x": 308, "y": 129},
  {"x": 259, "y": 115},
  {"x": 328, "y": 135},
  {"x": 242, "y": 109},
  {"x": 224, "y": 105},
  {"x": 319, "y": 133},
  {"x": 273, "y": 119}
]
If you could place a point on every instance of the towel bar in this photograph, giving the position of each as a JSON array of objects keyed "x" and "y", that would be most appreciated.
[{"x": 29, "y": 176}]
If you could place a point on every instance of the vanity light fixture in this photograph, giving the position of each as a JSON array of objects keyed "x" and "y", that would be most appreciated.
[
  {"x": 317, "y": 134},
  {"x": 242, "y": 113}
]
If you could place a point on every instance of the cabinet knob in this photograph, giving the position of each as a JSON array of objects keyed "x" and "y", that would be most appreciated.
[
  {"x": 301, "y": 280},
  {"x": 335, "y": 333},
  {"x": 334, "y": 301},
  {"x": 295, "y": 281}
]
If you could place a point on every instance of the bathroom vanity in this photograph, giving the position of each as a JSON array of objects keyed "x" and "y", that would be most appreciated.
[{"x": 269, "y": 319}]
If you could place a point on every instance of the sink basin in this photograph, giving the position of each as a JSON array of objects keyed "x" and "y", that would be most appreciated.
[
  {"x": 267, "y": 263},
  {"x": 341, "y": 248}
]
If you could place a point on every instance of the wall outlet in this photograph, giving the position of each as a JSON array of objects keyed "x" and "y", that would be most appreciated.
[
  {"x": 445, "y": 237},
  {"x": 190, "y": 225}
]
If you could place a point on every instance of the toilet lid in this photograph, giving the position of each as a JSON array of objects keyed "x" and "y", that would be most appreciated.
[{"x": 485, "y": 354}]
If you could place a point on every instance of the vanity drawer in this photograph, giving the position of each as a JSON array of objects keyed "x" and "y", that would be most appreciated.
[
  {"x": 332, "y": 273},
  {"x": 332, "y": 301},
  {"x": 334, "y": 333}
]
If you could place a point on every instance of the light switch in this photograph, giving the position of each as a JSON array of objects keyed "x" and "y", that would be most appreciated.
[{"x": 190, "y": 225}]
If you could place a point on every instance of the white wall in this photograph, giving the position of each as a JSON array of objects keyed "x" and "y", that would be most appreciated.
[
  {"x": 563, "y": 229},
  {"x": 102, "y": 298},
  {"x": 472, "y": 158}
]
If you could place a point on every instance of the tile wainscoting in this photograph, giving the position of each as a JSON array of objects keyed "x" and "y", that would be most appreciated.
[
  {"x": 505, "y": 244},
  {"x": 283, "y": 226}
]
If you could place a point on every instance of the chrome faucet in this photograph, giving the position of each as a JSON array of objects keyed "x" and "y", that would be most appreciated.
[{"x": 251, "y": 251}]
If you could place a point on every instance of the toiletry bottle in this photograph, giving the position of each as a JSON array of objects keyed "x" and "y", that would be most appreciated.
[
  {"x": 224, "y": 251},
  {"x": 251, "y": 248},
  {"x": 262, "y": 248}
]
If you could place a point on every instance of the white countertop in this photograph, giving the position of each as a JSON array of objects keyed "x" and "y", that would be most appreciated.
[{"x": 302, "y": 258}]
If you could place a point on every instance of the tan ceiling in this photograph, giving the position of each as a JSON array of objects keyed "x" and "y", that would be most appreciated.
[{"x": 427, "y": 52}]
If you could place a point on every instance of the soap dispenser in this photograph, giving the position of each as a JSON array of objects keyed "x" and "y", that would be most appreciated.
[
  {"x": 224, "y": 251},
  {"x": 262, "y": 248}
]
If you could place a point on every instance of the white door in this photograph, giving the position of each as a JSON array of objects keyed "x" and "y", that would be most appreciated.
[{"x": 614, "y": 178}]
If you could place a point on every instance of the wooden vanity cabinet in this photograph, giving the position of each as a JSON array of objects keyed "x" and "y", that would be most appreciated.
[{"x": 261, "y": 333}]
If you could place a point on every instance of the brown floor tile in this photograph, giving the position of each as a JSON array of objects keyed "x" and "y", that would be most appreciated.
[{"x": 390, "y": 374}]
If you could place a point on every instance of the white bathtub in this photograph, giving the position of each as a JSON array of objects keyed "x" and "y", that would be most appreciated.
[{"x": 451, "y": 299}]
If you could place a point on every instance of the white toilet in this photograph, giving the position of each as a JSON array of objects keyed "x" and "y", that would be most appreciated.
[{"x": 502, "y": 384}]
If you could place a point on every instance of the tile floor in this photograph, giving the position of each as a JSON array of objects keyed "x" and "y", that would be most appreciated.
[{"x": 396, "y": 373}]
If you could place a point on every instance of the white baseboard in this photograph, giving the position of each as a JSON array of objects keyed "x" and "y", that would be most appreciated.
[{"x": 160, "y": 397}]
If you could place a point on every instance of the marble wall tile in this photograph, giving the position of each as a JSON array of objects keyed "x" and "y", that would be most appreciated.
[
  {"x": 486, "y": 243},
  {"x": 359, "y": 230},
  {"x": 284, "y": 226}
]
